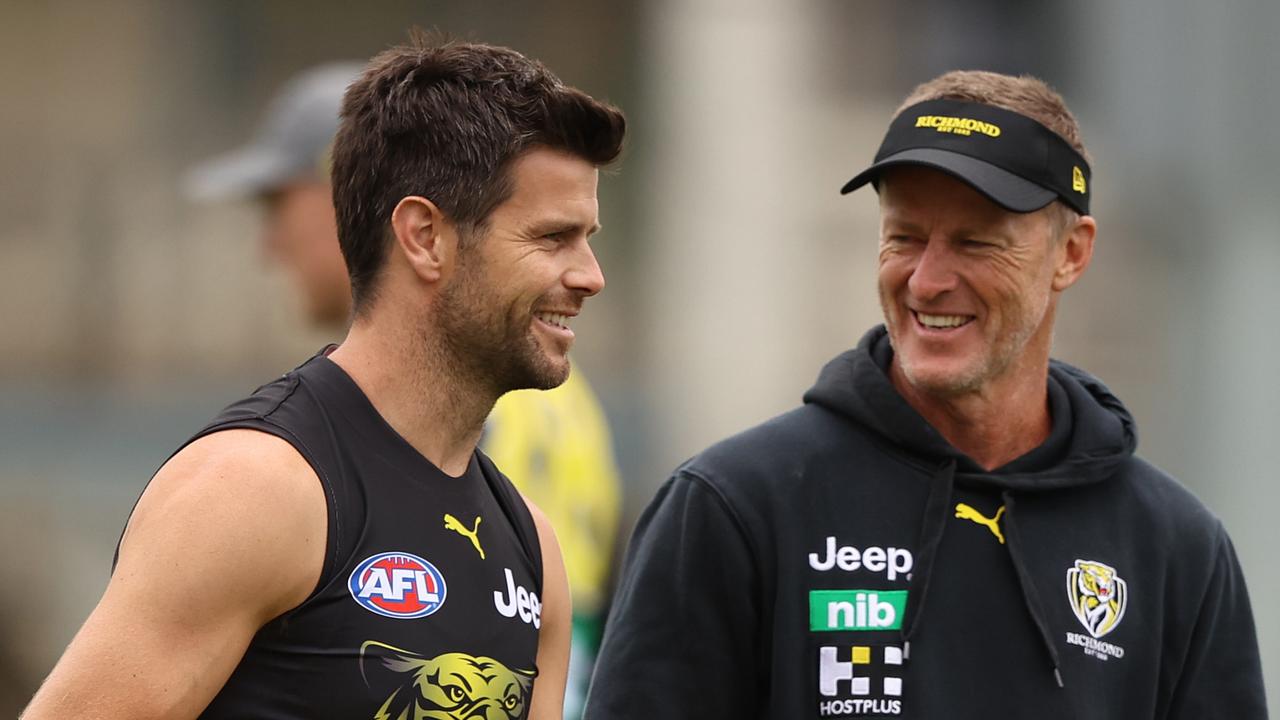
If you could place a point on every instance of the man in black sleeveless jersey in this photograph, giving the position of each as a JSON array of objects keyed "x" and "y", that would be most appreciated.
[
  {"x": 555, "y": 445},
  {"x": 334, "y": 545}
]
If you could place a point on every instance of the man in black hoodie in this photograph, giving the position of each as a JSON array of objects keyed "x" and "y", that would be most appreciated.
[{"x": 952, "y": 525}]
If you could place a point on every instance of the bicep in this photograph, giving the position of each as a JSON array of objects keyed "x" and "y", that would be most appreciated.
[
  {"x": 199, "y": 573},
  {"x": 553, "y": 636}
]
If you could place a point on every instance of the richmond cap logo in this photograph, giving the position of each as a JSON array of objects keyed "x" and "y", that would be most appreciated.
[
  {"x": 1098, "y": 596},
  {"x": 397, "y": 585},
  {"x": 957, "y": 125}
]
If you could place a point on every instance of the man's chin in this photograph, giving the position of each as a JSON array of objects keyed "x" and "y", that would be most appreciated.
[
  {"x": 553, "y": 376},
  {"x": 542, "y": 375},
  {"x": 941, "y": 379}
]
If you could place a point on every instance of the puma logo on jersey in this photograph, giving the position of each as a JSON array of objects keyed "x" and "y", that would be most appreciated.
[
  {"x": 967, "y": 512},
  {"x": 452, "y": 523}
]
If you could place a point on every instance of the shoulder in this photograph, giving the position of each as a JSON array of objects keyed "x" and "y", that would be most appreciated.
[
  {"x": 229, "y": 466},
  {"x": 1159, "y": 493},
  {"x": 546, "y": 532},
  {"x": 754, "y": 477},
  {"x": 778, "y": 440},
  {"x": 776, "y": 452},
  {"x": 1165, "y": 511},
  {"x": 247, "y": 511}
]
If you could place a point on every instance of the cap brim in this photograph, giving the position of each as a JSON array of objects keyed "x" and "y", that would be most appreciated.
[
  {"x": 1001, "y": 186},
  {"x": 247, "y": 171}
]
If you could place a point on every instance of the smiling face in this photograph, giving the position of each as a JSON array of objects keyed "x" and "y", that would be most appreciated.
[
  {"x": 506, "y": 312},
  {"x": 967, "y": 288}
]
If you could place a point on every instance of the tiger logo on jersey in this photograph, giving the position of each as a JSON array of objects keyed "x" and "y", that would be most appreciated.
[
  {"x": 451, "y": 686},
  {"x": 1098, "y": 596}
]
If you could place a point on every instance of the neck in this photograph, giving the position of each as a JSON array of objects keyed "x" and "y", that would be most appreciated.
[
  {"x": 994, "y": 425},
  {"x": 414, "y": 388}
]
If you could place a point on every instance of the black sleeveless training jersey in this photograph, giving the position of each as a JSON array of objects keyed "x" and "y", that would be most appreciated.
[{"x": 429, "y": 601}]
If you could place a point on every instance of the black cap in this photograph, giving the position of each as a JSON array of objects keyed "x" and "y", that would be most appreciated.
[{"x": 1015, "y": 161}]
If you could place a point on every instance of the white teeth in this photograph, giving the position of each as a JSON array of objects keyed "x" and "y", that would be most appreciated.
[
  {"x": 942, "y": 321},
  {"x": 554, "y": 319}
]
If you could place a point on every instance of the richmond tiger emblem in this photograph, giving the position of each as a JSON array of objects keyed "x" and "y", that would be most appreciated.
[
  {"x": 1098, "y": 596},
  {"x": 451, "y": 686}
]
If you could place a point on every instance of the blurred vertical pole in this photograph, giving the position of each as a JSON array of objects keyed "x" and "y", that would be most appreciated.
[
  {"x": 730, "y": 90},
  {"x": 1191, "y": 88}
]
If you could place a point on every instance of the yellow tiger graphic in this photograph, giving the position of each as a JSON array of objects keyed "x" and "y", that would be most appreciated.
[
  {"x": 1098, "y": 596},
  {"x": 451, "y": 686}
]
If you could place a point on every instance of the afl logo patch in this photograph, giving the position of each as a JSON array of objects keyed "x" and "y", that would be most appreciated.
[{"x": 398, "y": 585}]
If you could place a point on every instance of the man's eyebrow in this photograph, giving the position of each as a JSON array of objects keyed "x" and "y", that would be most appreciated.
[
  {"x": 892, "y": 222},
  {"x": 555, "y": 227},
  {"x": 898, "y": 226}
]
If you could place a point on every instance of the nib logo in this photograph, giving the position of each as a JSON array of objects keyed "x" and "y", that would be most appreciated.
[{"x": 833, "y": 610}]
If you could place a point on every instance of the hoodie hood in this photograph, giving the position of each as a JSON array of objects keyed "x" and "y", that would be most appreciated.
[{"x": 1092, "y": 432}]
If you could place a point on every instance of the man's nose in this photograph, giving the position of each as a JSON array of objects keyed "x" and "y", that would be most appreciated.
[
  {"x": 934, "y": 272},
  {"x": 585, "y": 275}
]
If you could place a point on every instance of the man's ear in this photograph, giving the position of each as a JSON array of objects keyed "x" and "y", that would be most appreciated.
[
  {"x": 424, "y": 237},
  {"x": 1075, "y": 251}
]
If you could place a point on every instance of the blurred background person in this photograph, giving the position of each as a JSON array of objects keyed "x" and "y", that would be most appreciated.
[
  {"x": 131, "y": 314},
  {"x": 555, "y": 445}
]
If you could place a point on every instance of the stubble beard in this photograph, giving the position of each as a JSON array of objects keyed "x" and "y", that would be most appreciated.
[
  {"x": 994, "y": 362},
  {"x": 489, "y": 345}
]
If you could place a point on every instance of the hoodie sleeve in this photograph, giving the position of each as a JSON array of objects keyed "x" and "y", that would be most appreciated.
[
  {"x": 1222, "y": 674},
  {"x": 681, "y": 639}
]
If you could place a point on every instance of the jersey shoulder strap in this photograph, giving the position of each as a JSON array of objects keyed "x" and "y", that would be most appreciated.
[{"x": 516, "y": 512}]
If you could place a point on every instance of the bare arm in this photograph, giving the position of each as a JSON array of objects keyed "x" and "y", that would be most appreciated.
[
  {"x": 229, "y": 534},
  {"x": 553, "y": 636}
]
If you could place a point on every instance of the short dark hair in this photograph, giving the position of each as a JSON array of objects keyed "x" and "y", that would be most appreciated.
[{"x": 445, "y": 120}]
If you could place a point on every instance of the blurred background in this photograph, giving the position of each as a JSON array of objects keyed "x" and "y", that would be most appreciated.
[{"x": 735, "y": 268}]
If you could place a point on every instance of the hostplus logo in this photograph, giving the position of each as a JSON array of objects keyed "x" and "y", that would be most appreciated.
[{"x": 860, "y": 680}]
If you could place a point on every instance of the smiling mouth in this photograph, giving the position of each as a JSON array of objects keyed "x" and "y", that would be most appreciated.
[
  {"x": 942, "y": 322},
  {"x": 554, "y": 319}
]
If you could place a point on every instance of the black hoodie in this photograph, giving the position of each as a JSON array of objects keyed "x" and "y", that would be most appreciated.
[{"x": 844, "y": 560}]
